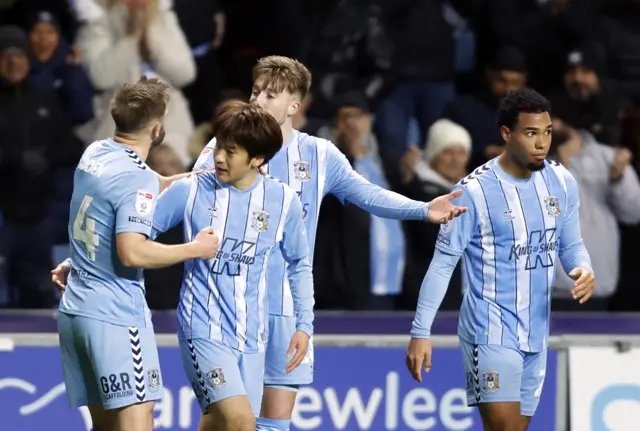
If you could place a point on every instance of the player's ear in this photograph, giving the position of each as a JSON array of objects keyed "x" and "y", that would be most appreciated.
[
  {"x": 505, "y": 132},
  {"x": 294, "y": 108},
  {"x": 256, "y": 162}
]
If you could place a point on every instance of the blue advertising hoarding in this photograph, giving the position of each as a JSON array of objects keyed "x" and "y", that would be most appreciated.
[{"x": 355, "y": 389}]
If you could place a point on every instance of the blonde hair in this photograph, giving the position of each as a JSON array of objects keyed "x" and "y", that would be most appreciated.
[{"x": 283, "y": 73}]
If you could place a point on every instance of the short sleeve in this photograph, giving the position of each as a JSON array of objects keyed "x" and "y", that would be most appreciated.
[{"x": 135, "y": 209}]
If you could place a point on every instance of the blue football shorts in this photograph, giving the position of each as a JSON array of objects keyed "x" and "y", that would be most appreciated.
[
  {"x": 501, "y": 374},
  {"x": 216, "y": 372},
  {"x": 281, "y": 329},
  {"x": 108, "y": 365}
]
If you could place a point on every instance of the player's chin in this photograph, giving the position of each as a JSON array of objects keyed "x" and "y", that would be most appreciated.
[{"x": 536, "y": 165}]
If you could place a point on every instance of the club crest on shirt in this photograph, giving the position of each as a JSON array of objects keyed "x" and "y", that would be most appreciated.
[
  {"x": 552, "y": 205},
  {"x": 216, "y": 377},
  {"x": 154, "y": 380},
  {"x": 260, "y": 221},
  {"x": 302, "y": 171},
  {"x": 144, "y": 203},
  {"x": 491, "y": 381}
]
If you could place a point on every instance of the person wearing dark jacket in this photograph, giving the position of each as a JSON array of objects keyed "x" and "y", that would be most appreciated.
[
  {"x": 441, "y": 166},
  {"x": 35, "y": 141},
  {"x": 54, "y": 68}
]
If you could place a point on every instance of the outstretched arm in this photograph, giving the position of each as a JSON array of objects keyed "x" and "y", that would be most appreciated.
[{"x": 349, "y": 186}]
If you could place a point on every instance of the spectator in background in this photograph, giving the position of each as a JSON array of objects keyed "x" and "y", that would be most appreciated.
[
  {"x": 609, "y": 193},
  {"x": 476, "y": 112},
  {"x": 163, "y": 285},
  {"x": 55, "y": 67},
  {"x": 422, "y": 74},
  {"x": 35, "y": 141},
  {"x": 360, "y": 258},
  {"x": 588, "y": 101},
  {"x": 204, "y": 25},
  {"x": 20, "y": 13},
  {"x": 119, "y": 41},
  {"x": 444, "y": 163}
]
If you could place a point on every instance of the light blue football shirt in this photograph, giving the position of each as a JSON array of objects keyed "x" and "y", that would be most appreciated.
[
  {"x": 314, "y": 167},
  {"x": 224, "y": 298},
  {"x": 509, "y": 241},
  {"x": 114, "y": 192}
]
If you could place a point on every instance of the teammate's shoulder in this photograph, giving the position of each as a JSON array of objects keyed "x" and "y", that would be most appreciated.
[
  {"x": 210, "y": 145},
  {"x": 558, "y": 169},
  {"x": 270, "y": 180},
  {"x": 304, "y": 139},
  {"x": 474, "y": 177}
]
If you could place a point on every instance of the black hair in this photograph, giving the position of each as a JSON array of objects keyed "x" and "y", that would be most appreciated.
[{"x": 520, "y": 101}]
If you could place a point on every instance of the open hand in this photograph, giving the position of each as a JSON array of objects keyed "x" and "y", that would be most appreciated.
[{"x": 441, "y": 210}]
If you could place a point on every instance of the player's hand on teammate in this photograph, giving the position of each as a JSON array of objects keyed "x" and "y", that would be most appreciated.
[
  {"x": 59, "y": 276},
  {"x": 299, "y": 345},
  {"x": 167, "y": 181},
  {"x": 441, "y": 210},
  {"x": 206, "y": 242},
  {"x": 418, "y": 353},
  {"x": 584, "y": 286}
]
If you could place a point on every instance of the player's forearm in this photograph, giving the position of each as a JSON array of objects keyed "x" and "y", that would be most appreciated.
[
  {"x": 149, "y": 254},
  {"x": 301, "y": 281},
  {"x": 575, "y": 256},
  {"x": 387, "y": 204},
  {"x": 434, "y": 286}
]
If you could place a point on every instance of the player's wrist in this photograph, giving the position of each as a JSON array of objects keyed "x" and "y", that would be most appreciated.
[
  {"x": 420, "y": 333},
  {"x": 306, "y": 328}
]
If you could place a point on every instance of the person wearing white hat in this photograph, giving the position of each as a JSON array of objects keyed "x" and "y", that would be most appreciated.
[{"x": 429, "y": 174}]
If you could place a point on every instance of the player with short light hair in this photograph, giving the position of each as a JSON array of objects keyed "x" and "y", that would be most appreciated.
[
  {"x": 109, "y": 354},
  {"x": 222, "y": 313},
  {"x": 523, "y": 213},
  {"x": 313, "y": 167}
]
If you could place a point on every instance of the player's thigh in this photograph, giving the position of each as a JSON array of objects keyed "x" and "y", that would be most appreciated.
[
  {"x": 77, "y": 366},
  {"x": 494, "y": 375},
  {"x": 281, "y": 329},
  {"x": 124, "y": 361},
  {"x": 278, "y": 401},
  {"x": 230, "y": 414},
  {"x": 213, "y": 370},
  {"x": 252, "y": 372},
  {"x": 533, "y": 375}
]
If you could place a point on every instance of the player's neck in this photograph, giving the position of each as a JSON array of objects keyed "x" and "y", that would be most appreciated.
[
  {"x": 512, "y": 168},
  {"x": 136, "y": 144},
  {"x": 247, "y": 181},
  {"x": 287, "y": 131}
]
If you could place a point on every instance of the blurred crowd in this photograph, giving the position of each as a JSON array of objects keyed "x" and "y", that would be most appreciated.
[{"x": 407, "y": 89}]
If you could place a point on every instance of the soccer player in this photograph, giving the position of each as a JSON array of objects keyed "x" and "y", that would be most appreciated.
[
  {"x": 523, "y": 213},
  {"x": 313, "y": 167},
  {"x": 109, "y": 354},
  {"x": 223, "y": 308}
]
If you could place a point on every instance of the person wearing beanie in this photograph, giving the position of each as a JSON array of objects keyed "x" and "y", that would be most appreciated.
[
  {"x": 443, "y": 164},
  {"x": 55, "y": 68},
  {"x": 588, "y": 100},
  {"x": 35, "y": 142}
]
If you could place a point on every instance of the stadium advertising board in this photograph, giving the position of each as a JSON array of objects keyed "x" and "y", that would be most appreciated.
[
  {"x": 354, "y": 389},
  {"x": 604, "y": 389}
]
